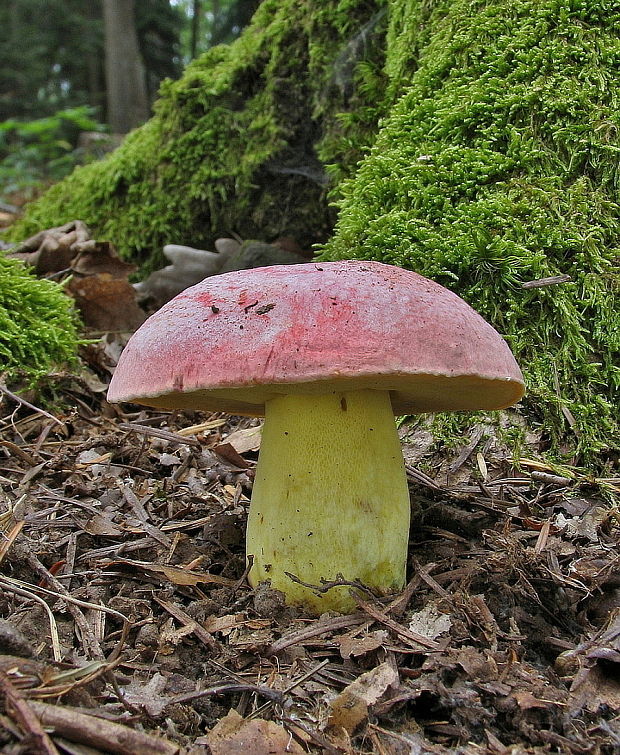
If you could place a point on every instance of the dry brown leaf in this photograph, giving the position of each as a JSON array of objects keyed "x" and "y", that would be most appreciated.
[
  {"x": 526, "y": 700},
  {"x": 106, "y": 303},
  {"x": 594, "y": 689},
  {"x": 355, "y": 646},
  {"x": 97, "y": 257},
  {"x": 350, "y": 708},
  {"x": 175, "y": 574},
  {"x": 223, "y": 624},
  {"x": 233, "y": 734},
  {"x": 100, "y": 524},
  {"x": 229, "y": 454}
]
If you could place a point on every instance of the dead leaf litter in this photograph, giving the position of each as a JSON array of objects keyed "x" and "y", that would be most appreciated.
[{"x": 127, "y": 624}]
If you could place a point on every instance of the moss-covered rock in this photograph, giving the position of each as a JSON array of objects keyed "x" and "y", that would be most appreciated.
[
  {"x": 37, "y": 323},
  {"x": 499, "y": 164}
]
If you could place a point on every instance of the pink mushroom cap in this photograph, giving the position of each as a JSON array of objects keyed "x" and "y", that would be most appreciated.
[{"x": 234, "y": 341}]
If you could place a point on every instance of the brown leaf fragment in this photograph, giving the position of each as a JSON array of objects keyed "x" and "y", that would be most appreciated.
[
  {"x": 223, "y": 624},
  {"x": 106, "y": 303},
  {"x": 101, "y": 524},
  {"x": 228, "y": 453},
  {"x": 351, "y": 707},
  {"x": 175, "y": 574},
  {"x": 594, "y": 690},
  {"x": 526, "y": 700},
  {"x": 97, "y": 257},
  {"x": 355, "y": 646},
  {"x": 233, "y": 734},
  {"x": 316, "y": 629},
  {"x": 247, "y": 439}
]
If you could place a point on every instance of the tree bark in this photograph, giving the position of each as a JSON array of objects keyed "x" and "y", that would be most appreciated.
[{"x": 126, "y": 87}]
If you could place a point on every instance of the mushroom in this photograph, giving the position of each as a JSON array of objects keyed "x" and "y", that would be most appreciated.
[{"x": 328, "y": 353}]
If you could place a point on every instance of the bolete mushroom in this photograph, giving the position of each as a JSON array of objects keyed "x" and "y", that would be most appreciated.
[{"x": 328, "y": 353}]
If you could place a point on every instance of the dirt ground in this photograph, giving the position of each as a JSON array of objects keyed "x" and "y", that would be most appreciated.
[{"x": 128, "y": 626}]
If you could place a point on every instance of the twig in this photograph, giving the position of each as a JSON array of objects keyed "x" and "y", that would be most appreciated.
[
  {"x": 71, "y": 602},
  {"x": 99, "y": 733},
  {"x": 23, "y": 402},
  {"x": 140, "y": 513},
  {"x": 415, "y": 474},
  {"x": 329, "y": 584},
  {"x": 26, "y": 592},
  {"x": 227, "y": 689},
  {"x": 155, "y": 432},
  {"x": 411, "y": 638},
  {"x": 316, "y": 629},
  {"x": 7, "y": 541},
  {"x": 296, "y": 683},
  {"x": 553, "y": 280},
  {"x": 200, "y": 632},
  {"x": 316, "y": 736},
  {"x": 16, "y": 450},
  {"x": 432, "y": 583},
  {"x": 467, "y": 451},
  {"x": 38, "y": 740},
  {"x": 400, "y": 603}
]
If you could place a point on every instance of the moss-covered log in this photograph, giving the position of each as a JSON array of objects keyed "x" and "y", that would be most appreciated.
[
  {"x": 232, "y": 145},
  {"x": 475, "y": 141}
]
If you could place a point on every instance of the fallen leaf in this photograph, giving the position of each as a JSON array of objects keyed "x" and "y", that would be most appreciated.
[
  {"x": 526, "y": 700},
  {"x": 356, "y": 646},
  {"x": 223, "y": 624},
  {"x": 350, "y": 708},
  {"x": 148, "y": 697},
  {"x": 585, "y": 526},
  {"x": 106, "y": 303},
  {"x": 100, "y": 524},
  {"x": 233, "y": 734},
  {"x": 245, "y": 440},
  {"x": 228, "y": 453},
  {"x": 430, "y": 622},
  {"x": 174, "y": 574},
  {"x": 595, "y": 690},
  {"x": 98, "y": 257}
]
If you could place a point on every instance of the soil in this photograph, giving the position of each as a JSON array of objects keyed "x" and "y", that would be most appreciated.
[{"x": 124, "y": 601}]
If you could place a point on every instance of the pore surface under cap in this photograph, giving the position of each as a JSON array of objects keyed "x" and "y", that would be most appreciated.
[{"x": 234, "y": 341}]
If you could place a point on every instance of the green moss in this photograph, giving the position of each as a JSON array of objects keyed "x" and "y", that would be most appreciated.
[
  {"x": 37, "y": 323},
  {"x": 475, "y": 141},
  {"x": 498, "y": 164}
]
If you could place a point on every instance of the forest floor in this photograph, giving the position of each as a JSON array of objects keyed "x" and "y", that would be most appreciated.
[{"x": 129, "y": 626}]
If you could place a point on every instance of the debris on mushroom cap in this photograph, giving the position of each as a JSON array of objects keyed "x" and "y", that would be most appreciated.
[{"x": 236, "y": 340}]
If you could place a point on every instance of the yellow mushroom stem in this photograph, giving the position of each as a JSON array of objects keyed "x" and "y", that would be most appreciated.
[{"x": 330, "y": 497}]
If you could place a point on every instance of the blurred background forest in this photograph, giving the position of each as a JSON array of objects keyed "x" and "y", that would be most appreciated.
[{"x": 90, "y": 72}]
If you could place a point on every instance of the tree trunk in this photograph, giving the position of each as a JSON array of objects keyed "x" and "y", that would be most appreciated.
[
  {"x": 195, "y": 28},
  {"x": 126, "y": 88}
]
